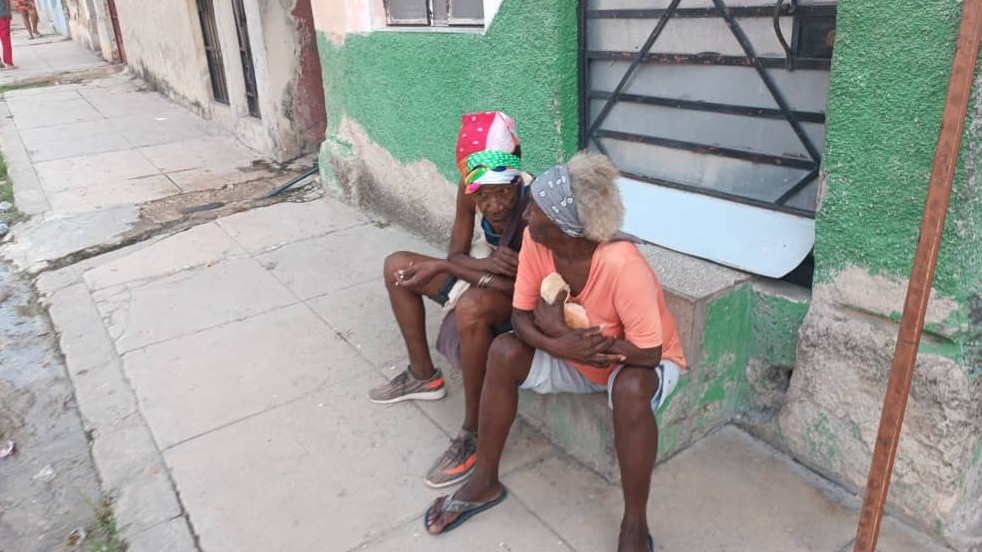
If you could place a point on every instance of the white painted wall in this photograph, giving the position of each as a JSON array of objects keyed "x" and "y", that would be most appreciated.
[
  {"x": 82, "y": 23},
  {"x": 164, "y": 46}
]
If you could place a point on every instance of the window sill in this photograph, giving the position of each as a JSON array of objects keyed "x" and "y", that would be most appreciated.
[{"x": 428, "y": 29}]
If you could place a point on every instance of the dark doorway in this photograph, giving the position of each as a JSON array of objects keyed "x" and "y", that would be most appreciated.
[{"x": 245, "y": 51}]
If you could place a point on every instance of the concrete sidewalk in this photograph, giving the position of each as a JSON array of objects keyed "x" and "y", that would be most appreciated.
[
  {"x": 50, "y": 56},
  {"x": 85, "y": 156},
  {"x": 223, "y": 372}
]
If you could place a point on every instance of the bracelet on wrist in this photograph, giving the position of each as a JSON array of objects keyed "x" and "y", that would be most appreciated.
[{"x": 485, "y": 280}]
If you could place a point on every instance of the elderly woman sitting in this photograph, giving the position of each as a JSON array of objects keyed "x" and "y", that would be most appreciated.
[
  {"x": 473, "y": 284},
  {"x": 631, "y": 351}
]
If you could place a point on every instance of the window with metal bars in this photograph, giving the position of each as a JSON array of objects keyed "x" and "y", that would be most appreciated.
[
  {"x": 213, "y": 50},
  {"x": 710, "y": 99},
  {"x": 245, "y": 51},
  {"x": 435, "y": 13}
]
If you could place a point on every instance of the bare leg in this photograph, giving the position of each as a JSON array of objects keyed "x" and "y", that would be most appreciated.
[
  {"x": 34, "y": 23},
  {"x": 509, "y": 361},
  {"x": 27, "y": 23},
  {"x": 407, "y": 306},
  {"x": 636, "y": 440},
  {"x": 479, "y": 311}
]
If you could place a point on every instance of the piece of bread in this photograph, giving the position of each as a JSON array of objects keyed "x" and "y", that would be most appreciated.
[
  {"x": 552, "y": 286},
  {"x": 574, "y": 314}
]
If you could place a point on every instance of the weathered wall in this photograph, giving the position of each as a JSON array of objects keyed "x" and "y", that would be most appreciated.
[
  {"x": 82, "y": 21},
  {"x": 891, "y": 66},
  {"x": 104, "y": 30},
  {"x": 288, "y": 75},
  {"x": 407, "y": 90},
  {"x": 307, "y": 112},
  {"x": 163, "y": 46}
]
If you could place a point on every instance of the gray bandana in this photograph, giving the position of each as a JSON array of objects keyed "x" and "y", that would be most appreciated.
[{"x": 554, "y": 195}]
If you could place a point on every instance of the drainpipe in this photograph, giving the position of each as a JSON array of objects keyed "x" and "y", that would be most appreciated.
[{"x": 922, "y": 275}]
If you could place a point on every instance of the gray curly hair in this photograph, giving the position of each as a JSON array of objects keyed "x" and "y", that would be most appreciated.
[{"x": 598, "y": 199}]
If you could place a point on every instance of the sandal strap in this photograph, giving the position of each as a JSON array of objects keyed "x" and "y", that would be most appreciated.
[{"x": 453, "y": 506}]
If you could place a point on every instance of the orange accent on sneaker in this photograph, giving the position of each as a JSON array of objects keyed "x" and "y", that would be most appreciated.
[
  {"x": 435, "y": 384},
  {"x": 466, "y": 465}
]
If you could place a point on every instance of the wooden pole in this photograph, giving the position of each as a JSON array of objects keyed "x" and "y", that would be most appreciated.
[{"x": 922, "y": 275}]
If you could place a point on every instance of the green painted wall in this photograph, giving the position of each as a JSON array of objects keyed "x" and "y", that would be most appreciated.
[
  {"x": 888, "y": 85},
  {"x": 408, "y": 89},
  {"x": 748, "y": 349}
]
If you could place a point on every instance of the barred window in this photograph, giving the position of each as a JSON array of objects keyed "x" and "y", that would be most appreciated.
[{"x": 435, "y": 13}]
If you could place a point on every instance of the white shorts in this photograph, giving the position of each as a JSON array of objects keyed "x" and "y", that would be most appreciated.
[{"x": 553, "y": 375}]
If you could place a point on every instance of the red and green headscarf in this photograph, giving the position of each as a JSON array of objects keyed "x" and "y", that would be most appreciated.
[{"x": 488, "y": 150}]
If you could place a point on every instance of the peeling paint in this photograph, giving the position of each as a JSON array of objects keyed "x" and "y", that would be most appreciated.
[{"x": 408, "y": 90}]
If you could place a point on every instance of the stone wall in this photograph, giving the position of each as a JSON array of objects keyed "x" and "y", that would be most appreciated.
[{"x": 889, "y": 81}]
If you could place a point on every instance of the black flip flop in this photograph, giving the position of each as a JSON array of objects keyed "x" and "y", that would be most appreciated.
[{"x": 466, "y": 510}]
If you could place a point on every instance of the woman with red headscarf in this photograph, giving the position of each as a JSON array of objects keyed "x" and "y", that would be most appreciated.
[{"x": 474, "y": 283}]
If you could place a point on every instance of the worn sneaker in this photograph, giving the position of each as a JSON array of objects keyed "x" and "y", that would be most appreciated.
[
  {"x": 405, "y": 387},
  {"x": 456, "y": 464}
]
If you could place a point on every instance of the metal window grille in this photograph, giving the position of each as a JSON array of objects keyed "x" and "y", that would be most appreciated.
[
  {"x": 435, "y": 13},
  {"x": 245, "y": 51},
  {"x": 665, "y": 105},
  {"x": 213, "y": 50}
]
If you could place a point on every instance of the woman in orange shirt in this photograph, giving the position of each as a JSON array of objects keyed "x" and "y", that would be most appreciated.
[{"x": 632, "y": 351}]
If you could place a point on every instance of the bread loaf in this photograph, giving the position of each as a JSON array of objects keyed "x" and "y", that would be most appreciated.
[
  {"x": 552, "y": 286},
  {"x": 574, "y": 314}
]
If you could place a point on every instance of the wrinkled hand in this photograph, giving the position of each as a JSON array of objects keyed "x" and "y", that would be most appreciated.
[
  {"x": 587, "y": 346},
  {"x": 548, "y": 318},
  {"x": 417, "y": 274},
  {"x": 503, "y": 261}
]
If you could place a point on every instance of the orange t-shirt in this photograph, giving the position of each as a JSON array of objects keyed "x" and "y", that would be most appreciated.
[{"x": 622, "y": 294}]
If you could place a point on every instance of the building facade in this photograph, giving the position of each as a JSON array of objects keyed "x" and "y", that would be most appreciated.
[
  {"x": 252, "y": 65},
  {"x": 784, "y": 164}
]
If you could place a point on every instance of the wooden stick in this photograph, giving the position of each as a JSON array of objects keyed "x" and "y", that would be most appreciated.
[{"x": 922, "y": 275}]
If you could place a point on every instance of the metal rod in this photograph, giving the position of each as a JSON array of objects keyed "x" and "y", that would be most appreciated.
[
  {"x": 581, "y": 67},
  {"x": 689, "y": 13},
  {"x": 728, "y": 109},
  {"x": 768, "y": 82},
  {"x": 720, "y": 195},
  {"x": 753, "y": 157},
  {"x": 634, "y": 65},
  {"x": 666, "y": 58},
  {"x": 294, "y": 180},
  {"x": 793, "y": 190},
  {"x": 922, "y": 275}
]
